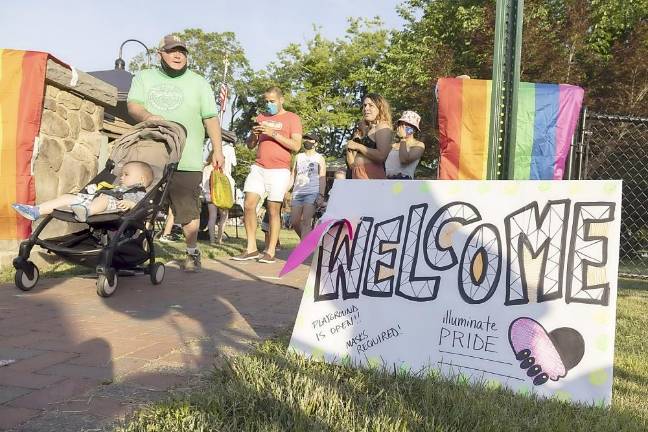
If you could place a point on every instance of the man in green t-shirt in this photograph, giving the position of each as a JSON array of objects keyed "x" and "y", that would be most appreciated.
[{"x": 171, "y": 92}]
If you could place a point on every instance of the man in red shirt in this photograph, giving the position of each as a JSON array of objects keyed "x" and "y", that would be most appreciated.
[{"x": 277, "y": 133}]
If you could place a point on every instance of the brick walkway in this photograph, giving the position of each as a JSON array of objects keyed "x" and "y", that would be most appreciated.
[{"x": 82, "y": 361}]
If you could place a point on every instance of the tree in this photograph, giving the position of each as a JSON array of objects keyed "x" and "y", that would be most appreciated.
[
  {"x": 323, "y": 81},
  {"x": 600, "y": 45},
  {"x": 440, "y": 38}
]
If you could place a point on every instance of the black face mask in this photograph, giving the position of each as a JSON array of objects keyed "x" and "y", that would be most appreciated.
[
  {"x": 173, "y": 73},
  {"x": 309, "y": 145}
]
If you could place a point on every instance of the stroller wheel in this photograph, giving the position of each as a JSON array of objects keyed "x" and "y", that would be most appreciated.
[
  {"x": 107, "y": 283},
  {"x": 22, "y": 279},
  {"x": 156, "y": 271}
]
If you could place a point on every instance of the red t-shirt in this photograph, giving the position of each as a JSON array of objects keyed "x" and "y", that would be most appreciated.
[{"x": 271, "y": 154}]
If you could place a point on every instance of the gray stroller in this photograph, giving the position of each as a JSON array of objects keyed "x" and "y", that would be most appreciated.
[{"x": 114, "y": 242}]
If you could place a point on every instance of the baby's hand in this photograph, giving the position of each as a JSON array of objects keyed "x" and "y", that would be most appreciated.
[{"x": 125, "y": 205}]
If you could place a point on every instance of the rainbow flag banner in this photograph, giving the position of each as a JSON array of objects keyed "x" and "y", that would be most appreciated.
[
  {"x": 22, "y": 87},
  {"x": 546, "y": 121}
]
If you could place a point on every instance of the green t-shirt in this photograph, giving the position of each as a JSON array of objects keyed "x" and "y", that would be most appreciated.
[{"x": 187, "y": 99}]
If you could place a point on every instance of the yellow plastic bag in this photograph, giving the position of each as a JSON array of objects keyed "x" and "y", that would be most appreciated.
[{"x": 221, "y": 190}]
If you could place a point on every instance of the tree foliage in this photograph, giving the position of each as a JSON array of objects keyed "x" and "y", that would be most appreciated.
[
  {"x": 601, "y": 45},
  {"x": 323, "y": 81}
]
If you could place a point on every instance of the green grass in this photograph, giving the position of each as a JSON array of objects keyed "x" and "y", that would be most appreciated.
[
  {"x": 231, "y": 246},
  {"x": 166, "y": 252},
  {"x": 56, "y": 270},
  {"x": 272, "y": 390}
]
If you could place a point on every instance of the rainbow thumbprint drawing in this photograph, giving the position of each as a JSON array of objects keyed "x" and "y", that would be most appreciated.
[{"x": 545, "y": 355}]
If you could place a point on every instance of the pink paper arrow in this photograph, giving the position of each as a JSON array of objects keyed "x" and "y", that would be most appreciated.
[{"x": 308, "y": 244}]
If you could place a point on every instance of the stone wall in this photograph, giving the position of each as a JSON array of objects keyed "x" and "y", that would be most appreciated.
[
  {"x": 70, "y": 145},
  {"x": 70, "y": 142}
]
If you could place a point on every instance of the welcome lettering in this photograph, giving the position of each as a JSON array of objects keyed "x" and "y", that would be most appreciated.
[{"x": 408, "y": 255}]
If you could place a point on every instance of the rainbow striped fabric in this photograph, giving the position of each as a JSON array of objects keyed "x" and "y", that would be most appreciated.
[
  {"x": 22, "y": 87},
  {"x": 546, "y": 121}
]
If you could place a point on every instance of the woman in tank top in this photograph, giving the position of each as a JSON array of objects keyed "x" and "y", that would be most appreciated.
[
  {"x": 406, "y": 153},
  {"x": 309, "y": 184},
  {"x": 371, "y": 142}
]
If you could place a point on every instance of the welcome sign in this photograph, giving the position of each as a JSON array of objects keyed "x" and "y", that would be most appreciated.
[{"x": 509, "y": 282}]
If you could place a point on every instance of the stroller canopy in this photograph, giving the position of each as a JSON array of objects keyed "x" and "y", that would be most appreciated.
[{"x": 157, "y": 143}]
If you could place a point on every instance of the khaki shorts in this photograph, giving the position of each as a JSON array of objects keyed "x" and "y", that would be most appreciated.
[{"x": 184, "y": 196}]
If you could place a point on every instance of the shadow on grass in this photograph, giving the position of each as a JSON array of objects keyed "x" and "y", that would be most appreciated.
[
  {"x": 58, "y": 270},
  {"x": 633, "y": 284},
  {"x": 165, "y": 252},
  {"x": 270, "y": 390}
]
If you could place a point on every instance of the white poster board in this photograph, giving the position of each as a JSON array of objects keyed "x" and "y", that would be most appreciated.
[{"x": 507, "y": 282}]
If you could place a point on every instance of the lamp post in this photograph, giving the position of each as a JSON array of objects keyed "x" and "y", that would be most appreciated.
[{"x": 120, "y": 64}]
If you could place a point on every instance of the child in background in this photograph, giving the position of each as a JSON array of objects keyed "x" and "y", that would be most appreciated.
[
  {"x": 206, "y": 193},
  {"x": 309, "y": 185},
  {"x": 215, "y": 213},
  {"x": 135, "y": 177},
  {"x": 321, "y": 209}
]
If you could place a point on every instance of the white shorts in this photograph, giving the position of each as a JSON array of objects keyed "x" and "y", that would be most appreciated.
[{"x": 272, "y": 183}]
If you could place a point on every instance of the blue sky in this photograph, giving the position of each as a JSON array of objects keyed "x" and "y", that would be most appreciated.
[{"x": 87, "y": 34}]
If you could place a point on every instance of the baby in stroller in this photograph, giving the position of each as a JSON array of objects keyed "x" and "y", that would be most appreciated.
[
  {"x": 135, "y": 177},
  {"x": 116, "y": 236}
]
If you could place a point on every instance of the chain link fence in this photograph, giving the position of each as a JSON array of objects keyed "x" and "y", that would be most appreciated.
[{"x": 611, "y": 147}]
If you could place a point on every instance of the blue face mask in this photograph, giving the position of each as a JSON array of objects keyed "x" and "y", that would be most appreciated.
[
  {"x": 272, "y": 108},
  {"x": 409, "y": 130}
]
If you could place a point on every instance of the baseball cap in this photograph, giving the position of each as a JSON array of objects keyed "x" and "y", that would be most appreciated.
[
  {"x": 171, "y": 41},
  {"x": 311, "y": 137}
]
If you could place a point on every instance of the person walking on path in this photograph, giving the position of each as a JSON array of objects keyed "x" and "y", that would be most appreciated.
[
  {"x": 230, "y": 161},
  {"x": 216, "y": 213},
  {"x": 277, "y": 134},
  {"x": 172, "y": 92},
  {"x": 406, "y": 153},
  {"x": 309, "y": 185}
]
